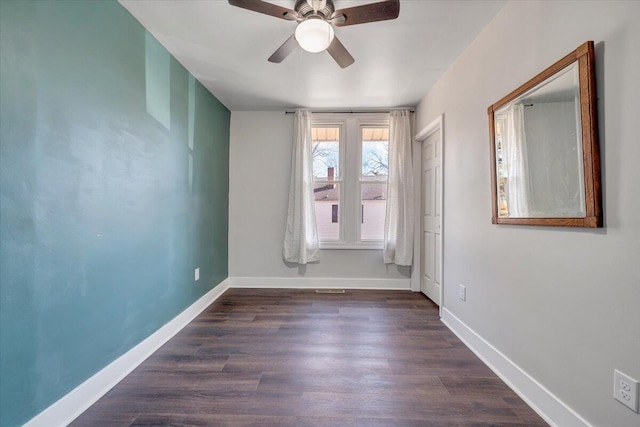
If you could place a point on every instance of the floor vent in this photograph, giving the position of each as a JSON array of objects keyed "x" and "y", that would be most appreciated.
[{"x": 329, "y": 291}]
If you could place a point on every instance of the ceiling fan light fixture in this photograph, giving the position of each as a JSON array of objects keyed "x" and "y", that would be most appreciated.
[{"x": 314, "y": 35}]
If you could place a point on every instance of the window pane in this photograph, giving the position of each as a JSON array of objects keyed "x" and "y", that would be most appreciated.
[
  {"x": 327, "y": 199},
  {"x": 375, "y": 153},
  {"x": 326, "y": 152},
  {"x": 373, "y": 211}
]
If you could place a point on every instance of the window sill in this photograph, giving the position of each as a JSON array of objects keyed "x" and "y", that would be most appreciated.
[{"x": 358, "y": 246}]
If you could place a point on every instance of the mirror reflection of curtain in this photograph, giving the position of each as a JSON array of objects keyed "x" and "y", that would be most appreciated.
[{"x": 517, "y": 170}]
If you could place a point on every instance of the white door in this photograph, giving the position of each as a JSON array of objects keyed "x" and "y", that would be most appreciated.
[{"x": 431, "y": 217}]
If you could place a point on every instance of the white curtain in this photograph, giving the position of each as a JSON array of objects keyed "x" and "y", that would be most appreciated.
[
  {"x": 301, "y": 235},
  {"x": 398, "y": 227},
  {"x": 515, "y": 153}
]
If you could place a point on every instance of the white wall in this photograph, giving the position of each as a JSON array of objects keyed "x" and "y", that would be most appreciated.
[
  {"x": 561, "y": 303},
  {"x": 260, "y": 167}
]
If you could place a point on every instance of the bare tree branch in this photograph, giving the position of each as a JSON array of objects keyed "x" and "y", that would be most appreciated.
[
  {"x": 376, "y": 163},
  {"x": 320, "y": 152}
]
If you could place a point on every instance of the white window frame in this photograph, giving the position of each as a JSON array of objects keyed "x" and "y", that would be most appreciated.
[{"x": 349, "y": 212}]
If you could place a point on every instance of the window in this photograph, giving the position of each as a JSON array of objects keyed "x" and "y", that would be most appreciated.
[
  {"x": 373, "y": 181},
  {"x": 327, "y": 180},
  {"x": 350, "y": 168}
]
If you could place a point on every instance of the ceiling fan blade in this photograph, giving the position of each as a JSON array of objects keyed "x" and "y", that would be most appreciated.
[
  {"x": 340, "y": 53},
  {"x": 266, "y": 8},
  {"x": 373, "y": 12},
  {"x": 283, "y": 51}
]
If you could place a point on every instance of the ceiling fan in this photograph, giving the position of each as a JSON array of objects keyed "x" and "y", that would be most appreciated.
[{"x": 316, "y": 19}]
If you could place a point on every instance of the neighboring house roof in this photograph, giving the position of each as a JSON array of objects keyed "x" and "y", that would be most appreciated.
[{"x": 332, "y": 134}]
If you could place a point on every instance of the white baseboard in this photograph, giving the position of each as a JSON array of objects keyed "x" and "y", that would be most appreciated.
[
  {"x": 78, "y": 400},
  {"x": 319, "y": 283},
  {"x": 546, "y": 404}
]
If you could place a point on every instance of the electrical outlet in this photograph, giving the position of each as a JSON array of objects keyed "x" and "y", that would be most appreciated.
[
  {"x": 625, "y": 390},
  {"x": 196, "y": 274},
  {"x": 462, "y": 292}
]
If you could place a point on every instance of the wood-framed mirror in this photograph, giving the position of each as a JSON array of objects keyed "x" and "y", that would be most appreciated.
[{"x": 545, "y": 157}]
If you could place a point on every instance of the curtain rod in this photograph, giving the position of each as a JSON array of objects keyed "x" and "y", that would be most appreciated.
[{"x": 353, "y": 111}]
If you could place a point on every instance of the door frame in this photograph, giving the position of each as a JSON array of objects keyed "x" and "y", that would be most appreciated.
[{"x": 436, "y": 126}]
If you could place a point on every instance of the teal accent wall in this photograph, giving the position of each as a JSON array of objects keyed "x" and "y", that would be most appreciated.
[{"x": 113, "y": 189}]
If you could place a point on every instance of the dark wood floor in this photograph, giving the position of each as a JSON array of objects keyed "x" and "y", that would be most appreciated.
[{"x": 298, "y": 358}]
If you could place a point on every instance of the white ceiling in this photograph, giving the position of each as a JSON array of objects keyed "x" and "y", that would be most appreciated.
[{"x": 226, "y": 49}]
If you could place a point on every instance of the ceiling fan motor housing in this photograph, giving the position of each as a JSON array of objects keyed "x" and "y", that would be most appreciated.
[{"x": 304, "y": 9}]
